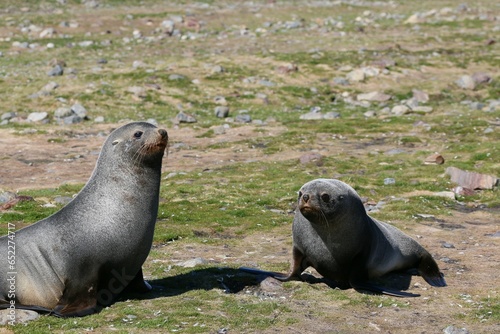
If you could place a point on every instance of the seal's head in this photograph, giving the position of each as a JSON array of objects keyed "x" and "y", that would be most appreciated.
[
  {"x": 324, "y": 200},
  {"x": 141, "y": 142}
]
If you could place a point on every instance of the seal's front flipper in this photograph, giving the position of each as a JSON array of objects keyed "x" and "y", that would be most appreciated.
[
  {"x": 78, "y": 308},
  {"x": 254, "y": 271},
  {"x": 138, "y": 284},
  {"x": 367, "y": 286},
  {"x": 429, "y": 271}
]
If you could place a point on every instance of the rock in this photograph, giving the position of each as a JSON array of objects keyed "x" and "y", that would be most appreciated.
[
  {"x": 220, "y": 100},
  {"x": 222, "y": 111},
  {"x": 47, "y": 33},
  {"x": 271, "y": 285},
  {"x": 389, "y": 181},
  {"x": 424, "y": 109},
  {"x": 266, "y": 83},
  {"x": 62, "y": 112},
  {"x": 6, "y": 196},
  {"x": 315, "y": 158},
  {"x": 20, "y": 317},
  {"x": 415, "y": 18},
  {"x": 243, "y": 118},
  {"x": 373, "y": 96},
  {"x": 471, "y": 180},
  {"x": 420, "y": 96},
  {"x": 79, "y": 110},
  {"x": 8, "y": 116},
  {"x": 192, "y": 263},
  {"x": 341, "y": 81},
  {"x": 184, "y": 118},
  {"x": 461, "y": 191},
  {"x": 455, "y": 330},
  {"x": 217, "y": 69},
  {"x": 466, "y": 82},
  {"x": 481, "y": 78},
  {"x": 434, "y": 159},
  {"x": 400, "y": 110},
  {"x": 447, "y": 245},
  {"x": 288, "y": 68},
  {"x": 73, "y": 119},
  {"x": 384, "y": 63},
  {"x": 56, "y": 71},
  {"x": 313, "y": 115},
  {"x": 356, "y": 75},
  {"x": 99, "y": 119},
  {"x": 370, "y": 71},
  {"x": 370, "y": 113},
  {"x": 50, "y": 86},
  {"x": 137, "y": 91},
  {"x": 331, "y": 115},
  {"x": 37, "y": 116},
  {"x": 445, "y": 194},
  {"x": 174, "y": 77}
]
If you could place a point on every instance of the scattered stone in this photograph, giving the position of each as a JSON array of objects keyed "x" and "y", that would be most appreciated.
[
  {"x": 466, "y": 82},
  {"x": 370, "y": 113},
  {"x": 425, "y": 216},
  {"x": 222, "y": 111},
  {"x": 313, "y": 115},
  {"x": 50, "y": 86},
  {"x": 73, "y": 119},
  {"x": 389, "y": 181},
  {"x": 217, "y": 69},
  {"x": 62, "y": 112},
  {"x": 184, "y": 118},
  {"x": 357, "y": 75},
  {"x": 447, "y": 245},
  {"x": 219, "y": 130},
  {"x": 481, "y": 78},
  {"x": 384, "y": 63},
  {"x": 341, "y": 81},
  {"x": 21, "y": 317},
  {"x": 99, "y": 119},
  {"x": 331, "y": 115},
  {"x": 434, "y": 159},
  {"x": 455, "y": 330},
  {"x": 445, "y": 194},
  {"x": 56, "y": 71},
  {"x": 138, "y": 64},
  {"x": 315, "y": 158},
  {"x": 243, "y": 118},
  {"x": 174, "y": 77},
  {"x": 424, "y": 109},
  {"x": 488, "y": 130},
  {"x": 221, "y": 100},
  {"x": 79, "y": 110},
  {"x": 138, "y": 91},
  {"x": 63, "y": 200},
  {"x": 8, "y": 116},
  {"x": 373, "y": 97},
  {"x": 192, "y": 263},
  {"x": 85, "y": 44},
  {"x": 47, "y": 33},
  {"x": 420, "y": 96},
  {"x": 6, "y": 196},
  {"x": 471, "y": 180},
  {"x": 461, "y": 191},
  {"x": 271, "y": 285},
  {"x": 266, "y": 83},
  {"x": 400, "y": 110},
  {"x": 288, "y": 68},
  {"x": 37, "y": 116}
]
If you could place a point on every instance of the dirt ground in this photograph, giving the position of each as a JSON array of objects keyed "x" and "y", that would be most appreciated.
[{"x": 471, "y": 266}]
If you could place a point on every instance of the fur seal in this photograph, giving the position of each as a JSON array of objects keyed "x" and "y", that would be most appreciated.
[
  {"x": 79, "y": 259},
  {"x": 333, "y": 234}
]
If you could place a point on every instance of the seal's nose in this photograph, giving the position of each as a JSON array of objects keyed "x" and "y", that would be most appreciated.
[{"x": 163, "y": 133}]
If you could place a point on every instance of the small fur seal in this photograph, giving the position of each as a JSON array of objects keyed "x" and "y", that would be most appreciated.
[
  {"x": 78, "y": 260},
  {"x": 333, "y": 234}
]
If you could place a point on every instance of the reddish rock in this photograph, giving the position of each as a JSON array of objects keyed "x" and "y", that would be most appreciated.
[
  {"x": 471, "y": 180},
  {"x": 434, "y": 159}
]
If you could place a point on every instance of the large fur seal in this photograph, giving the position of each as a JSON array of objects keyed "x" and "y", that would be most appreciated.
[
  {"x": 333, "y": 234},
  {"x": 79, "y": 259}
]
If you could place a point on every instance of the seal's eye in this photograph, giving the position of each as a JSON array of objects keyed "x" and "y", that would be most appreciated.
[
  {"x": 300, "y": 194},
  {"x": 115, "y": 142},
  {"x": 325, "y": 198},
  {"x": 138, "y": 134}
]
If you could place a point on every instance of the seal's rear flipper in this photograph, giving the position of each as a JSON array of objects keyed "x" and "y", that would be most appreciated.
[
  {"x": 37, "y": 309},
  {"x": 381, "y": 290},
  {"x": 254, "y": 271},
  {"x": 138, "y": 284}
]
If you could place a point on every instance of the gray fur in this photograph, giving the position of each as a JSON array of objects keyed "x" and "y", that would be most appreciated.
[
  {"x": 344, "y": 244},
  {"x": 78, "y": 260}
]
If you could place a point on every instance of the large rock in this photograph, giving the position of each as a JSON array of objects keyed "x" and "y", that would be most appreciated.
[
  {"x": 471, "y": 180},
  {"x": 373, "y": 96}
]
